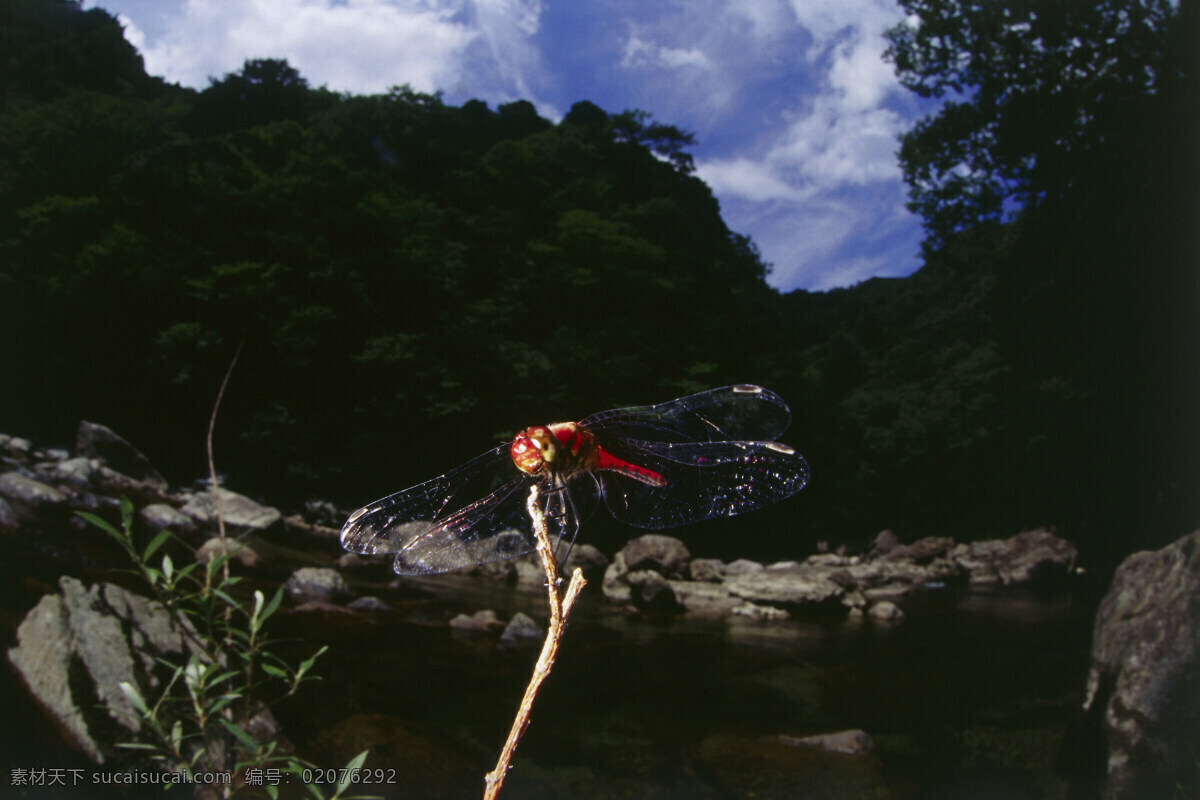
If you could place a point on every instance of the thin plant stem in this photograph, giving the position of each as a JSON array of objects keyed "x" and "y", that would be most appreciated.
[
  {"x": 560, "y": 607},
  {"x": 212, "y": 466}
]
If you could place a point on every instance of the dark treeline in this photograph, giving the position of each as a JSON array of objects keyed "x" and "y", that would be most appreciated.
[{"x": 412, "y": 281}]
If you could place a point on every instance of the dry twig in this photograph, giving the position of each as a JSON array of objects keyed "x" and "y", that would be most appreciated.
[{"x": 560, "y": 607}]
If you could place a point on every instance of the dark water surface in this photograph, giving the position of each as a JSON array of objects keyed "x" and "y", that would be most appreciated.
[{"x": 971, "y": 692}]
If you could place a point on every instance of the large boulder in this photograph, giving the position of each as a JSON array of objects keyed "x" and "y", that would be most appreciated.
[
  {"x": 321, "y": 584},
  {"x": 791, "y": 585},
  {"x": 1144, "y": 680},
  {"x": 1032, "y": 556},
  {"x": 100, "y": 442},
  {"x": 664, "y": 554},
  {"x": 76, "y": 647},
  {"x": 241, "y": 514}
]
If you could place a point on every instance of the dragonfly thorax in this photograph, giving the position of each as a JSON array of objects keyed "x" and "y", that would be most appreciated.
[{"x": 562, "y": 447}]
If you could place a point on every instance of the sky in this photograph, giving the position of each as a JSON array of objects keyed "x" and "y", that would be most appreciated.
[{"x": 795, "y": 112}]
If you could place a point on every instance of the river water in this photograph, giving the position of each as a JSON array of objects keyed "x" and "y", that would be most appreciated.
[{"x": 973, "y": 691}]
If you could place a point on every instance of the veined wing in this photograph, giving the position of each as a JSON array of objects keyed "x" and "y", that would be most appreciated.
[
  {"x": 704, "y": 480},
  {"x": 451, "y": 521},
  {"x": 732, "y": 413}
]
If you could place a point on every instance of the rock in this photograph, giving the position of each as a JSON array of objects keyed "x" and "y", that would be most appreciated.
[
  {"x": 885, "y": 610},
  {"x": 741, "y": 567},
  {"x": 1037, "y": 555},
  {"x": 614, "y": 585},
  {"x": 98, "y": 441},
  {"x": 76, "y": 647},
  {"x": 27, "y": 495},
  {"x": 160, "y": 517},
  {"x": 755, "y": 611},
  {"x": 924, "y": 550},
  {"x": 664, "y": 554},
  {"x": 795, "y": 585},
  {"x": 15, "y": 445},
  {"x": 324, "y": 513},
  {"x": 351, "y": 561},
  {"x": 706, "y": 569},
  {"x": 521, "y": 629},
  {"x": 585, "y": 556},
  {"x": 316, "y": 584},
  {"x": 651, "y": 592},
  {"x": 214, "y": 547},
  {"x": 8, "y": 517},
  {"x": 1142, "y": 686},
  {"x": 55, "y": 454},
  {"x": 849, "y": 743},
  {"x": 885, "y": 542},
  {"x": 77, "y": 472},
  {"x": 485, "y": 620},
  {"x": 530, "y": 572},
  {"x": 704, "y": 598},
  {"x": 241, "y": 514},
  {"x": 368, "y": 603}
]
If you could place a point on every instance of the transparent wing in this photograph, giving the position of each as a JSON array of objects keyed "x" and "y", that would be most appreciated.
[
  {"x": 732, "y": 413},
  {"x": 704, "y": 480},
  {"x": 461, "y": 519}
]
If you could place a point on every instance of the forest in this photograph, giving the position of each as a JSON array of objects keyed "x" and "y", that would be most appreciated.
[{"x": 409, "y": 282}]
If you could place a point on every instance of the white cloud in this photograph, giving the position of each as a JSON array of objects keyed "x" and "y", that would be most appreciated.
[
  {"x": 357, "y": 45},
  {"x": 641, "y": 54},
  {"x": 751, "y": 180}
]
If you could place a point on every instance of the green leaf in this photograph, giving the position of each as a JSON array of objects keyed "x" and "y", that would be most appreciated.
[
  {"x": 155, "y": 543},
  {"x": 245, "y": 739},
  {"x": 100, "y": 523},
  {"x": 168, "y": 567},
  {"x": 134, "y": 696},
  {"x": 275, "y": 672},
  {"x": 273, "y": 606}
]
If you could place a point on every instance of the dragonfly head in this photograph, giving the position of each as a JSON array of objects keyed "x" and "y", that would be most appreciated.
[{"x": 533, "y": 448}]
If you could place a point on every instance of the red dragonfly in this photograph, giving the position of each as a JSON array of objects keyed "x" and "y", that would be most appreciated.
[{"x": 707, "y": 455}]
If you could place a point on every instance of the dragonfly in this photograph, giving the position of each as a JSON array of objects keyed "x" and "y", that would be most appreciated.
[{"x": 695, "y": 458}]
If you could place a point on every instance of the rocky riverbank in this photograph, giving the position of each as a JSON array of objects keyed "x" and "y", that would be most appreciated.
[{"x": 114, "y": 635}]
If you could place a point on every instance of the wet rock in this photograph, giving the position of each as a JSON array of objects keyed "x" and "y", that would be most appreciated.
[
  {"x": 485, "y": 620},
  {"x": 161, "y": 517},
  {"x": 521, "y": 629},
  {"x": 316, "y": 584},
  {"x": 368, "y": 603},
  {"x": 755, "y": 611},
  {"x": 651, "y": 592},
  {"x": 885, "y": 610},
  {"x": 98, "y": 441},
  {"x": 241, "y": 514},
  {"x": 1144, "y": 672},
  {"x": 848, "y": 743},
  {"x": 664, "y": 554},
  {"x": 706, "y": 569},
  {"x": 795, "y": 585},
  {"x": 215, "y": 547}
]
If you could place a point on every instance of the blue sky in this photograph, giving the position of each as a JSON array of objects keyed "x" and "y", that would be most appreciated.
[{"x": 795, "y": 112}]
